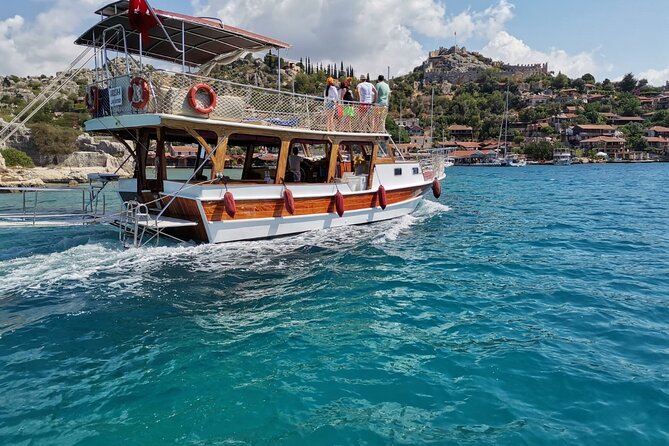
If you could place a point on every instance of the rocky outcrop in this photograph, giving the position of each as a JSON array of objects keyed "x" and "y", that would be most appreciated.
[
  {"x": 74, "y": 168},
  {"x": 86, "y": 143},
  {"x": 20, "y": 139},
  {"x": 18, "y": 178},
  {"x": 2, "y": 162},
  {"x": 91, "y": 159}
]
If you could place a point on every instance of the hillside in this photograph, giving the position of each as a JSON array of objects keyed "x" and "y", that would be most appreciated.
[{"x": 469, "y": 90}]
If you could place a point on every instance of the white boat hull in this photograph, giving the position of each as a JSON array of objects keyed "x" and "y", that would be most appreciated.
[{"x": 235, "y": 230}]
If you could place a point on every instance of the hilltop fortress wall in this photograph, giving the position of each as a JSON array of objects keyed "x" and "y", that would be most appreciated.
[{"x": 456, "y": 65}]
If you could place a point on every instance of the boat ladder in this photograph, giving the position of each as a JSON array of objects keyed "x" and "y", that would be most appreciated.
[{"x": 137, "y": 222}]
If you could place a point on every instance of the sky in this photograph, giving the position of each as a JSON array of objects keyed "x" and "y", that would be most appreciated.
[{"x": 606, "y": 38}]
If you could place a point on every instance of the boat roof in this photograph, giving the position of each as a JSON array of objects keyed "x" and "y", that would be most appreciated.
[{"x": 205, "y": 38}]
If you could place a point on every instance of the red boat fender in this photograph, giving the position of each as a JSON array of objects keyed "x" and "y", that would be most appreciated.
[
  {"x": 436, "y": 188},
  {"x": 383, "y": 200},
  {"x": 289, "y": 201},
  {"x": 229, "y": 203},
  {"x": 339, "y": 203},
  {"x": 93, "y": 99}
]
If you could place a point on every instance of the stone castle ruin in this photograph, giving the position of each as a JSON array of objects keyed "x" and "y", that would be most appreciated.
[{"x": 456, "y": 66}]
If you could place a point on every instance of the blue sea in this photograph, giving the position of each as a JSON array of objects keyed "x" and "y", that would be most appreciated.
[{"x": 524, "y": 307}]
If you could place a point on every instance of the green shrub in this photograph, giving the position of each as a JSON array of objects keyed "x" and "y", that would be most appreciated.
[
  {"x": 53, "y": 140},
  {"x": 16, "y": 158}
]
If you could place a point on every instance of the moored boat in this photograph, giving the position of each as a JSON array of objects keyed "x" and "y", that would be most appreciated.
[
  {"x": 562, "y": 157},
  {"x": 307, "y": 164}
]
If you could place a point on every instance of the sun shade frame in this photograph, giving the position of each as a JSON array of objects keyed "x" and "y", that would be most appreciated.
[{"x": 205, "y": 39}]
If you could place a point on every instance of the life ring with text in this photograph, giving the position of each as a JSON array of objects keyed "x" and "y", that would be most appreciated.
[
  {"x": 192, "y": 98},
  {"x": 93, "y": 99},
  {"x": 139, "y": 93}
]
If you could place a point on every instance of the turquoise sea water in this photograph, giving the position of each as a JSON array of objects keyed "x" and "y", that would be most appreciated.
[{"x": 526, "y": 306}]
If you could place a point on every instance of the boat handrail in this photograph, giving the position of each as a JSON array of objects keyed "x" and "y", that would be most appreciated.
[{"x": 244, "y": 103}]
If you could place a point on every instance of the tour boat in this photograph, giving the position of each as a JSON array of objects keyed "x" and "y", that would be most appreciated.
[
  {"x": 562, "y": 157},
  {"x": 350, "y": 170}
]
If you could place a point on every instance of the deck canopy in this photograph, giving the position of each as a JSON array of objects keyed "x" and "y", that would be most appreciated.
[{"x": 205, "y": 39}]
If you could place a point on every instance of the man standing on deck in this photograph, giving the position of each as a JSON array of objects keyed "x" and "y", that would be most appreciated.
[
  {"x": 367, "y": 95},
  {"x": 366, "y": 91},
  {"x": 382, "y": 99},
  {"x": 383, "y": 91}
]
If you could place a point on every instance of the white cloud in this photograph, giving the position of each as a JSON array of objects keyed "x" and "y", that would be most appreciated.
[
  {"x": 655, "y": 77},
  {"x": 44, "y": 45},
  {"x": 510, "y": 49},
  {"x": 357, "y": 32}
]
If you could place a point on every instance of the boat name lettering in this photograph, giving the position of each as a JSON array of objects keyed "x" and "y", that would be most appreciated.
[{"x": 115, "y": 97}]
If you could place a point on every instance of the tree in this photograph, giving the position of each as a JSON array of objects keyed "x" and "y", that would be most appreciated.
[
  {"x": 16, "y": 158},
  {"x": 628, "y": 84},
  {"x": 589, "y": 78},
  {"x": 634, "y": 136},
  {"x": 52, "y": 140},
  {"x": 661, "y": 118},
  {"x": 560, "y": 81},
  {"x": 628, "y": 105},
  {"x": 539, "y": 150},
  {"x": 578, "y": 84},
  {"x": 398, "y": 133}
]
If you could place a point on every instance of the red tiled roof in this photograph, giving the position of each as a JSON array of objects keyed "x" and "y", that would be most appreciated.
[
  {"x": 628, "y": 118},
  {"x": 459, "y": 127},
  {"x": 659, "y": 128},
  {"x": 469, "y": 144},
  {"x": 595, "y": 127},
  {"x": 470, "y": 153},
  {"x": 657, "y": 139},
  {"x": 604, "y": 139}
]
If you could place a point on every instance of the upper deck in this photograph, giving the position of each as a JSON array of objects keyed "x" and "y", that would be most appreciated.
[
  {"x": 198, "y": 44},
  {"x": 237, "y": 103}
]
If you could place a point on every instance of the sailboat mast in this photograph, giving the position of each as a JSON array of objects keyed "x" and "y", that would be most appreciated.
[{"x": 506, "y": 118}]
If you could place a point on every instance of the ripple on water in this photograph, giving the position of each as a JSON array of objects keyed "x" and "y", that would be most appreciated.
[{"x": 515, "y": 310}]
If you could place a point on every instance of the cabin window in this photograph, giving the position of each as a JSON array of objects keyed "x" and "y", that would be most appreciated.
[
  {"x": 252, "y": 158},
  {"x": 398, "y": 171},
  {"x": 384, "y": 151},
  {"x": 315, "y": 160},
  {"x": 355, "y": 157},
  {"x": 416, "y": 171}
]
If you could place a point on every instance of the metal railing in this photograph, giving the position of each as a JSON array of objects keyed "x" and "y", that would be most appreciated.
[
  {"x": 433, "y": 166},
  {"x": 241, "y": 103}
]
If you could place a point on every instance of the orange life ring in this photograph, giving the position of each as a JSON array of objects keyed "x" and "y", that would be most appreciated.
[
  {"x": 93, "y": 99},
  {"x": 193, "y": 102},
  {"x": 138, "y": 84}
]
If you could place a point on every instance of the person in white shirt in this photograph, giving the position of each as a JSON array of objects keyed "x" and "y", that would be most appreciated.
[
  {"x": 294, "y": 161},
  {"x": 367, "y": 95},
  {"x": 366, "y": 91},
  {"x": 331, "y": 95}
]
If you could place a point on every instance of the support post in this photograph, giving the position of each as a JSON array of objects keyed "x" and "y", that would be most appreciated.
[
  {"x": 161, "y": 168},
  {"x": 372, "y": 165},
  {"x": 215, "y": 167},
  {"x": 142, "y": 150},
  {"x": 333, "y": 162},
  {"x": 282, "y": 162},
  {"x": 218, "y": 160}
]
